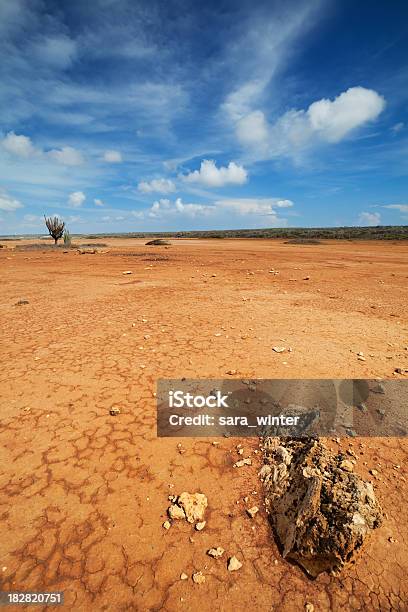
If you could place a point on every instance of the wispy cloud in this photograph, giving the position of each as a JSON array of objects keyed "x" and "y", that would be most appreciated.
[{"x": 8, "y": 203}]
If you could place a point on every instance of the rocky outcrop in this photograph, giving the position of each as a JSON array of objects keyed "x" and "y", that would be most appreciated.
[{"x": 321, "y": 511}]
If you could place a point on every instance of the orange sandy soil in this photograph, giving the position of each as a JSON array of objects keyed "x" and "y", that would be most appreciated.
[{"x": 84, "y": 494}]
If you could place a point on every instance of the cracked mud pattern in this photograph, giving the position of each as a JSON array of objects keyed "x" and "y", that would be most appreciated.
[{"x": 84, "y": 494}]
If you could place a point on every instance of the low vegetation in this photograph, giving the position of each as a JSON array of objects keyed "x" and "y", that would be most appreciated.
[{"x": 381, "y": 232}]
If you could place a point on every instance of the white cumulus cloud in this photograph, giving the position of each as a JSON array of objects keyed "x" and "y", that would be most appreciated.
[
  {"x": 211, "y": 176},
  {"x": 254, "y": 206},
  {"x": 335, "y": 119},
  {"x": 324, "y": 121},
  {"x": 19, "y": 145},
  {"x": 367, "y": 218},
  {"x": 98, "y": 202},
  {"x": 160, "y": 185},
  {"x": 8, "y": 203},
  {"x": 76, "y": 198},
  {"x": 112, "y": 157},
  {"x": 166, "y": 207},
  {"x": 22, "y": 146}
]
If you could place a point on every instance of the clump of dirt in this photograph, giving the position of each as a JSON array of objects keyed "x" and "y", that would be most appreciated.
[
  {"x": 158, "y": 242},
  {"x": 320, "y": 510}
]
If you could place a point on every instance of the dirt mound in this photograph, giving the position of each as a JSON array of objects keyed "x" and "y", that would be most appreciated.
[
  {"x": 321, "y": 511},
  {"x": 158, "y": 242},
  {"x": 303, "y": 241}
]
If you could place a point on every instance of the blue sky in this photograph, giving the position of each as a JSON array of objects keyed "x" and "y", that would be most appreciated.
[{"x": 152, "y": 116}]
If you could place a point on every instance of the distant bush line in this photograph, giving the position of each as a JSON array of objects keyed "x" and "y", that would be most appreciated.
[
  {"x": 302, "y": 234},
  {"x": 385, "y": 232}
]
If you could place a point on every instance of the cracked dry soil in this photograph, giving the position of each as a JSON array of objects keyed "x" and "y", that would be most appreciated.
[{"x": 84, "y": 494}]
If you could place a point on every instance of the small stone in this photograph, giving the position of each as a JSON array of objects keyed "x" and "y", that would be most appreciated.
[
  {"x": 347, "y": 465},
  {"x": 22, "y": 302},
  {"x": 252, "y": 511},
  {"x": 278, "y": 349},
  {"x": 234, "y": 564},
  {"x": 306, "y": 278},
  {"x": 242, "y": 462},
  {"x": 231, "y": 372},
  {"x": 183, "y": 576},
  {"x": 166, "y": 524},
  {"x": 374, "y": 473},
  {"x": 127, "y": 272},
  {"x": 309, "y": 607},
  {"x": 175, "y": 512},
  {"x": 200, "y": 526},
  {"x": 216, "y": 552},
  {"x": 199, "y": 578},
  {"x": 114, "y": 411}
]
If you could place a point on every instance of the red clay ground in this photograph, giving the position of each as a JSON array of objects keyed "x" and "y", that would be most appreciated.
[{"x": 84, "y": 494}]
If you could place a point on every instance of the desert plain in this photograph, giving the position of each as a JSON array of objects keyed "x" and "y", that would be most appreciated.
[{"x": 84, "y": 493}]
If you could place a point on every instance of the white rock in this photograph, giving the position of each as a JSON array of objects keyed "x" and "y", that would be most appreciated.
[
  {"x": 234, "y": 564},
  {"x": 216, "y": 552}
]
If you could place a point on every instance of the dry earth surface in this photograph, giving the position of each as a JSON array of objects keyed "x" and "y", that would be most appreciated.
[{"x": 84, "y": 494}]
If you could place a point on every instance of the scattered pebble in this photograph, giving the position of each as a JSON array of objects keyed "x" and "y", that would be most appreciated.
[
  {"x": 278, "y": 349},
  {"x": 166, "y": 524},
  {"x": 216, "y": 552},
  {"x": 199, "y": 578},
  {"x": 252, "y": 511},
  {"x": 234, "y": 564},
  {"x": 200, "y": 526},
  {"x": 183, "y": 576},
  {"x": 175, "y": 512},
  {"x": 242, "y": 462},
  {"x": 114, "y": 411},
  {"x": 127, "y": 272}
]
